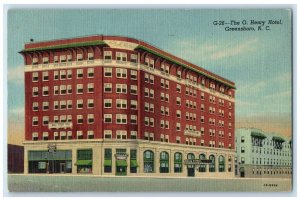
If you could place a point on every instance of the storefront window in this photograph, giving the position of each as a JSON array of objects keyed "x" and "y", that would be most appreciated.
[
  {"x": 177, "y": 162},
  {"x": 164, "y": 162},
  {"x": 202, "y": 167},
  {"x": 84, "y": 161},
  {"x": 221, "y": 163},
  {"x": 107, "y": 160},
  {"x": 212, "y": 163},
  {"x": 148, "y": 161},
  {"x": 133, "y": 162}
]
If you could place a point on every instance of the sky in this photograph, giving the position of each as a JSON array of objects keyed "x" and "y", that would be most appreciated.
[{"x": 259, "y": 62}]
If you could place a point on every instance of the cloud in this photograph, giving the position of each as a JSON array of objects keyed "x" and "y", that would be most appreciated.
[
  {"x": 252, "y": 88},
  {"x": 241, "y": 48},
  {"x": 16, "y": 74},
  {"x": 16, "y": 114}
]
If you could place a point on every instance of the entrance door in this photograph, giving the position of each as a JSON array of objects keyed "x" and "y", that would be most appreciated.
[
  {"x": 62, "y": 168},
  {"x": 191, "y": 172},
  {"x": 242, "y": 172}
]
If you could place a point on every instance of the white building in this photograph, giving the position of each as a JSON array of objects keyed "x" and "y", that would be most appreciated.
[{"x": 261, "y": 154}]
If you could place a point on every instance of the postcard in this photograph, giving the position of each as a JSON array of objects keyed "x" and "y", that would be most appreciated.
[{"x": 149, "y": 100}]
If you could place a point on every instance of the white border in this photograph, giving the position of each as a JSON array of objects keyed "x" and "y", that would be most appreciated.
[{"x": 207, "y": 4}]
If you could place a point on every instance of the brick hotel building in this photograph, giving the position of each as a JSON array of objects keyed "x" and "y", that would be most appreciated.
[{"x": 110, "y": 105}]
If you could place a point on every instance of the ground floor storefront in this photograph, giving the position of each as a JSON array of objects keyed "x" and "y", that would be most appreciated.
[
  {"x": 127, "y": 158},
  {"x": 263, "y": 171}
]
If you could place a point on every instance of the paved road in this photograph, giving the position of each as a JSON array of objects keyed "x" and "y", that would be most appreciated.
[{"x": 58, "y": 183}]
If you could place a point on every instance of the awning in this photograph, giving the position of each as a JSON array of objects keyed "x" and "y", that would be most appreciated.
[
  {"x": 107, "y": 162},
  {"x": 122, "y": 163},
  {"x": 84, "y": 162},
  {"x": 133, "y": 163},
  {"x": 258, "y": 135},
  {"x": 279, "y": 139}
]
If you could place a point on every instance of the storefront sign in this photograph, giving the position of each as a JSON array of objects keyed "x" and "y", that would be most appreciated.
[
  {"x": 121, "y": 156},
  {"x": 197, "y": 162},
  {"x": 51, "y": 148}
]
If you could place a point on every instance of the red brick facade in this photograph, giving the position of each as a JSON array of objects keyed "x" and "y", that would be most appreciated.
[{"x": 218, "y": 93}]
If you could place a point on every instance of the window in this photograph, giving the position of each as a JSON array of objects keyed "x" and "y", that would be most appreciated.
[
  {"x": 242, "y": 139},
  {"x": 35, "y": 106},
  {"x": 45, "y": 76},
  {"x": 79, "y": 104},
  {"x": 178, "y": 126},
  {"x": 107, "y": 103},
  {"x": 178, "y": 113},
  {"x": 146, "y": 106},
  {"x": 69, "y": 57},
  {"x": 146, "y": 121},
  {"x": 121, "y": 134},
  {"x": 90, "y": 56},
  {"x": 121, "y": 73},
  {"x": 90, "y": 119},
  {"x": 63, "y": 75},
  {"x": 121, "y": 119},
  {"x": 151, "y": 79},
  {"x": 178, "y": 74},
  {"x": 69, "y": 89},
  {"x": 133, "y": 162},
  {"x": 55, "y": 59},
  {"x": 45, "y": 60},
  {"x": 164, "y": 162},
  {"x": 148, "y": 161},
  {"x": 121, "y": 56},
  {"x": 35, "y": 121},
  {"x": 55, "y": 105},
  {"x": 133, "y": 89},
  {"x": 151, "y": 107},
  {"x": 56, "y": 75},
  {"x": 107, "y": 87},
  {"x": 63, "y": 58},
  {"x": 133, "y": 119},
  {"x": 90, "y": 103},
  {"x": 178, "y": 100},
  {"x": 212, "y": 164},
  {"x": 69, "y": 104},
  {"x": 202, "y": 95},
  {"x": 79, "y": 88},
  {"x": 107, "y": 72},
  {"x": 79, "y": 119},
  {"x": 79, "y": 57},
  {"x": 107, "y": 118},
  {"x": 121, "y": 88},
  {"x": 45, "y": 91},
  {"x": 133, "y": 104},
  {"x": 63, "y": 104},
  {"x": 107, "y": 160},
  {"x": 152, "y": 122},
  {"x": 90, "y": 72},
  {"x": 221, "y": 164},
  {"x": 63, "y": 89},
  {"x": 146, "y": 92},
  {"x": 133, "y": 58},
  {"x": 90, "y": 134},
  {"x": 121, "y": 103},
  {"x": 133, "y": 74},
  {"x": 107, "y": 134},
  {"x": 45, "y": 135},
  {"x": 202, "y": 167},
  {"x": 79, "y": 73},
  {"x": 45, "y": 120},
  {"x": 35, "y": 76},
  {"x": 242, "y": 149},
  {"x": 107, "y": 55},
  {"x": 90, "y": 87},
  {"x": 178, "y": 88}
]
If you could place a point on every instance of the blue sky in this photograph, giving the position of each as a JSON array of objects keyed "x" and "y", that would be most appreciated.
[{"x": 258, "y": 62}]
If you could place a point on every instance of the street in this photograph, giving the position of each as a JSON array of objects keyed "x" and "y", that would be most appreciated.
[{"x": 89, "y": 183}]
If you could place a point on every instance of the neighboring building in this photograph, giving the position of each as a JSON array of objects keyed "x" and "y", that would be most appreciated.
[
  {"x": 261, "y": 154},
  {"x": 15, "y": 158},
  {"x": 110, "y": 105}
]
